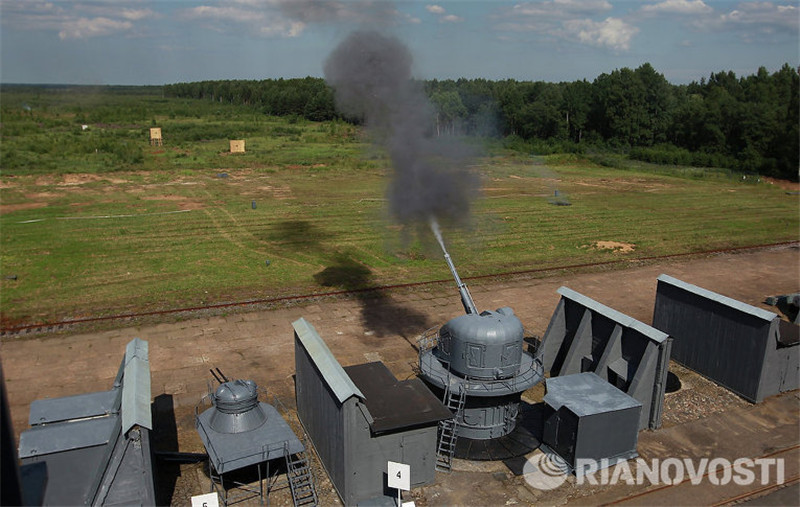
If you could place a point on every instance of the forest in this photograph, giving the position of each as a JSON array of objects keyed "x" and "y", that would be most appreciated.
[{"x": 748, "y": 123}]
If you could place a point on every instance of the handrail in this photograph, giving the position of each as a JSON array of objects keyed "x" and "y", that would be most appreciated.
[
  {"x": 535, "y": 369},
  {"x": 429, "y": 339}
]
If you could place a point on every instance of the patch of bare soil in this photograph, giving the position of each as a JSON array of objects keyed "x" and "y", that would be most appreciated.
[
  {"x": 79, "y": 179},
  {"x": 184, "y": 202},
  {"x": 284, "y": 192},
  {"x": 115, "y": 180},
  {"x": 625, "y": 184},
  {"x": 73, "y": 180},
  {"x": 8, "y": 208},
  {"x": 41, "y": 195},
  {"x": 784, "y": 184},
  {"x": 616, "y": 246}
]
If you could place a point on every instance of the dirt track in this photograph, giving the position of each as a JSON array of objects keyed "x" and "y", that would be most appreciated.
[{"x": 366, "y": 327}]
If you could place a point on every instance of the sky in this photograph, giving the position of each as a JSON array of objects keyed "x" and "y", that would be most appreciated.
[{"x": 153, "y": 42}]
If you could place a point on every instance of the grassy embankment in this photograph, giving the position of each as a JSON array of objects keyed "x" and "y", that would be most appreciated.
[{"x": 97, "y": 222}]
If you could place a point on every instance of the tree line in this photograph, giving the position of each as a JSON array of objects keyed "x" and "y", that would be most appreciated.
[{"x": 747, "y": 123}]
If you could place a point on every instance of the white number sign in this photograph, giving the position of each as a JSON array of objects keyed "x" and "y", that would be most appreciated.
[
  {"x": 207, "y": 500},
  {"x": 399, "y": 476}
]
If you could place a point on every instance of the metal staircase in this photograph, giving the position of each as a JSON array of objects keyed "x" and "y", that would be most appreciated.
[
  {"x": 301, "y": 480},
  {"x": 447, "y": 428}
]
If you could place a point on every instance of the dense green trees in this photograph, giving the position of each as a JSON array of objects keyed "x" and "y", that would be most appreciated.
[{"x": 746, "y": 123}]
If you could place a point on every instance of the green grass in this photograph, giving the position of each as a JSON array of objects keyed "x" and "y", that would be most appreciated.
[{"x": 177, "y": 228}]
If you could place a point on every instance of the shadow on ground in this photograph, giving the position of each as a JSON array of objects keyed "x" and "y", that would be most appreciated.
[
  {"x": 382, "y": 315},
  {"x": 295, "y": 234},
  {"x": 165, "y": 440}
]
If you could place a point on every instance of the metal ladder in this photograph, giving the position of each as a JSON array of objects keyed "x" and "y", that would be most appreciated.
[
  {"x": 301, "y": 480},
  {"x": 447, "y": 428}
]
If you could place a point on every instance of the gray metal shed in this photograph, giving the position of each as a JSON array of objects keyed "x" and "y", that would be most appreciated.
[
  {"x": 744, "y": 348},
  {"x": 584, "y": 335},
  {"x": 589, "y": 422},
  {"x": 361, "y": 417},
  {"x": 96, "y": 446}
]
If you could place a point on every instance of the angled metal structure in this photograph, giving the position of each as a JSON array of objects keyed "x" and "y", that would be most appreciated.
[
  {"x": 584, "y": 335},
  {"x": 96, "y": 446},
  {"x": 360, "y": 417},
  {"x": 744, "y": 348}
]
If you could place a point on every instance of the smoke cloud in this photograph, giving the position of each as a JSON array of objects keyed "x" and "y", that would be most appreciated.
[{"x": 371, "y": 75}]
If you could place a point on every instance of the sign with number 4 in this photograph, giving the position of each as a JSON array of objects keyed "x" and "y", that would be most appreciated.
[{"x": 399, "y": 476}]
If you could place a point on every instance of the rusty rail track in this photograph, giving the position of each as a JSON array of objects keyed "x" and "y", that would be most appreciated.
[
  {"x": 748, "y": 494},
  {"x": 64, "y": 324}
]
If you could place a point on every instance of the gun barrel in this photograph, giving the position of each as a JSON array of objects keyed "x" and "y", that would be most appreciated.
[{"x": 466, "y": 297}]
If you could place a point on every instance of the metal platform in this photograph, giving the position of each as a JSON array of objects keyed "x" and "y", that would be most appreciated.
[
  {"x": 229, "y": 451},
  {"x": 529, "y": 374}
]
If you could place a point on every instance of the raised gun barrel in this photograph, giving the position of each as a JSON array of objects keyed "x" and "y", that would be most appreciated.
[{"x": 466, "y": 297}]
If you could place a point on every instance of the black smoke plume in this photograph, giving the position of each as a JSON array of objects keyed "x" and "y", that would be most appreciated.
[{"x": 371, "y": 75}]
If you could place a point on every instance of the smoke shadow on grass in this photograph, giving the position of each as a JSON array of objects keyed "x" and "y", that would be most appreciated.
[
  {"x": 380, "y": 313},
  {"x": 296, "y": 234}
]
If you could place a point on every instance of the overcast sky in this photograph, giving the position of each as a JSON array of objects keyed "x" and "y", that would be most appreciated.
[{"x": 168, "y": 41}]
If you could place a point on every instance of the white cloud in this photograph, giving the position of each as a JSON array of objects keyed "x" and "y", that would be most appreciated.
[
  {"x": 442, "y": 15},
  {"x": 401, "y": 17},
  {"x": 76, "y": 20},
  {"x": 137, "y": 14},
  {"x": 611, "y": 33},
  {"x": 83, "y": 28},
  {"x": 559, "y": 8},
  {"x": 451, "y": 18},
  {"x": 235, "y": 15},
  {"x": 678, "y": 7},
  {"x": 764, "y": 14},
  {"x": 222, "y": 13},
  {"x": 568, "y": 20},
  {"x": 289, "y": 18},
  {"x": 753, "y": 21}
]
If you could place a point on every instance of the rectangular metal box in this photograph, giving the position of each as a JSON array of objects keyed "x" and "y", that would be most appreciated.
[{"x": 586, "y": 419}]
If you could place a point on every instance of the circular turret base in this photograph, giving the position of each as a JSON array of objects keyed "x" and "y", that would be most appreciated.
[{"x": 519, "y": 442}]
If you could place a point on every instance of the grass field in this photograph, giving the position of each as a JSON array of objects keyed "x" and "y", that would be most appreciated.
[{"x": 92, "y": 232}]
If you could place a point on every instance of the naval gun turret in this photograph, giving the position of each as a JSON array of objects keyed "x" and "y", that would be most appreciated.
[{"x": 478, "y": 364}]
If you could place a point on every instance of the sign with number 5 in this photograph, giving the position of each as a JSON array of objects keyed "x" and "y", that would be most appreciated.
[{"x": 207, "y": 500}]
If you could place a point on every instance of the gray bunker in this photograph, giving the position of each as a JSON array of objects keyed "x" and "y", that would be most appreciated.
[
  {"x": 96, "y": 447},
  {"x": 584, "y": 335},
  {"x": 361, "y": 417},
  {"x": 746, "y": 349}
]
